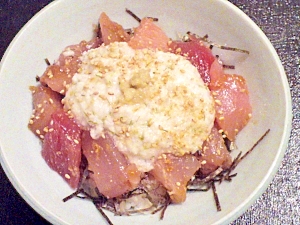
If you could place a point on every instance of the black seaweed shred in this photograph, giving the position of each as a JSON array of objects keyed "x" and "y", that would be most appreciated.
[
  {"x": 153, "y": 18},
  {"x": 216, "y": 196},
  {"x": 133, "y": 15},
  {"x": 228, "y": 66},
  {"x": 99, "y": 207},
  {"x": 47, "y": 62},
  {"x": 138, "y": 18},
  {"x": 212, "y": 44}
]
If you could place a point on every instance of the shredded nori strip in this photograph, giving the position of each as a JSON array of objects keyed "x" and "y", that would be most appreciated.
[
  {"x": 228, "y": 66},
  {"x": 233, "y": 49},
  {"x": 47, "y": 62},
  {"x": 230, "y": 145},
  {"x": 75, "y": 194},
  {"x": 138, "y": 18},
  {"x": 259, "y": 140},
  {"x": 153, "y": 18},
  {"x": 133, "y": 15},
  {"x": 98, "y": 206},
  {"x": 216, "y": 196},
  {"x": 205, "y": 39}
]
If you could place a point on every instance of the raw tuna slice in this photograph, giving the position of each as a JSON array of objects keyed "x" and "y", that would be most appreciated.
[
  {"x": 233, "y": 108},
  {"x": 197, "y": 53},
  {"x": 111, "y": 31},
  {"x": 59, "y": 75},
  {"x": 45, "y": 102},
  {"x": 109, "y": 168},
  {"x": 62, "y": 147},
  {"x": 174, "y": 173},
  {"x": 214, "y": 153},
  {"x": 149, "y": 35}
]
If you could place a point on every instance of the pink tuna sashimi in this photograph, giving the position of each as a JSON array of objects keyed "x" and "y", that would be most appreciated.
[
  {"x": 45, "y": 102},
  {"x": 111, "y": 31},
  {"x": 62, "y": 147},
  {"x": 197, "y": 53},
  {"x": 214, "y": 153},
  {"x": 110, "y": 170},
  {"x": 59, "y": 75},
  {"x": 174, "y": 173},
  {"x": 233, "y": 108},
  {"x": 149, "y": 35}
]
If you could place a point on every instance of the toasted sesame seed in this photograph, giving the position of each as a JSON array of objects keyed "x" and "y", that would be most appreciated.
[
  {"x": 178, "y": 50},
  {"x": 67, "y": 176},
  {"x": 38, "y": 131},
  {"x": 76, "y": 141},
  {"x": 218, "y": 102}
]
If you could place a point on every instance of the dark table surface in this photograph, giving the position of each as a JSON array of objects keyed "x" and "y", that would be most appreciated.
[{"x": 280, "y": 20}]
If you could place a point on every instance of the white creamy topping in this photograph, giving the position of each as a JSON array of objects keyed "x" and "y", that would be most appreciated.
[{"x": 151, "y": 101}]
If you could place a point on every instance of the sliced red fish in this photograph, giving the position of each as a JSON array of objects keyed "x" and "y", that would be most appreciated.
[
  {"x": 110, "y": 170},
  {"x": 174, "y": 173},
  {"x": 62, "y": 147},
  {"x": 233, "y": 108},
  {"x": 59, "y": 75},
  {"x": 45, "y": 103},
  {"x": 149, "y": 35},
  {"x": 197, "y": 53},
  {"x": 111, "y": 31},
  {"x": 214, "y": 153}
]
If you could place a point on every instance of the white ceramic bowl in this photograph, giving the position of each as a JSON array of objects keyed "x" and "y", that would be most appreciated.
[{"x": 67, "y": 22}]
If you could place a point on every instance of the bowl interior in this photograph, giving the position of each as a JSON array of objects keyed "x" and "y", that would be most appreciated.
[{"x": 68, "y": 22}]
